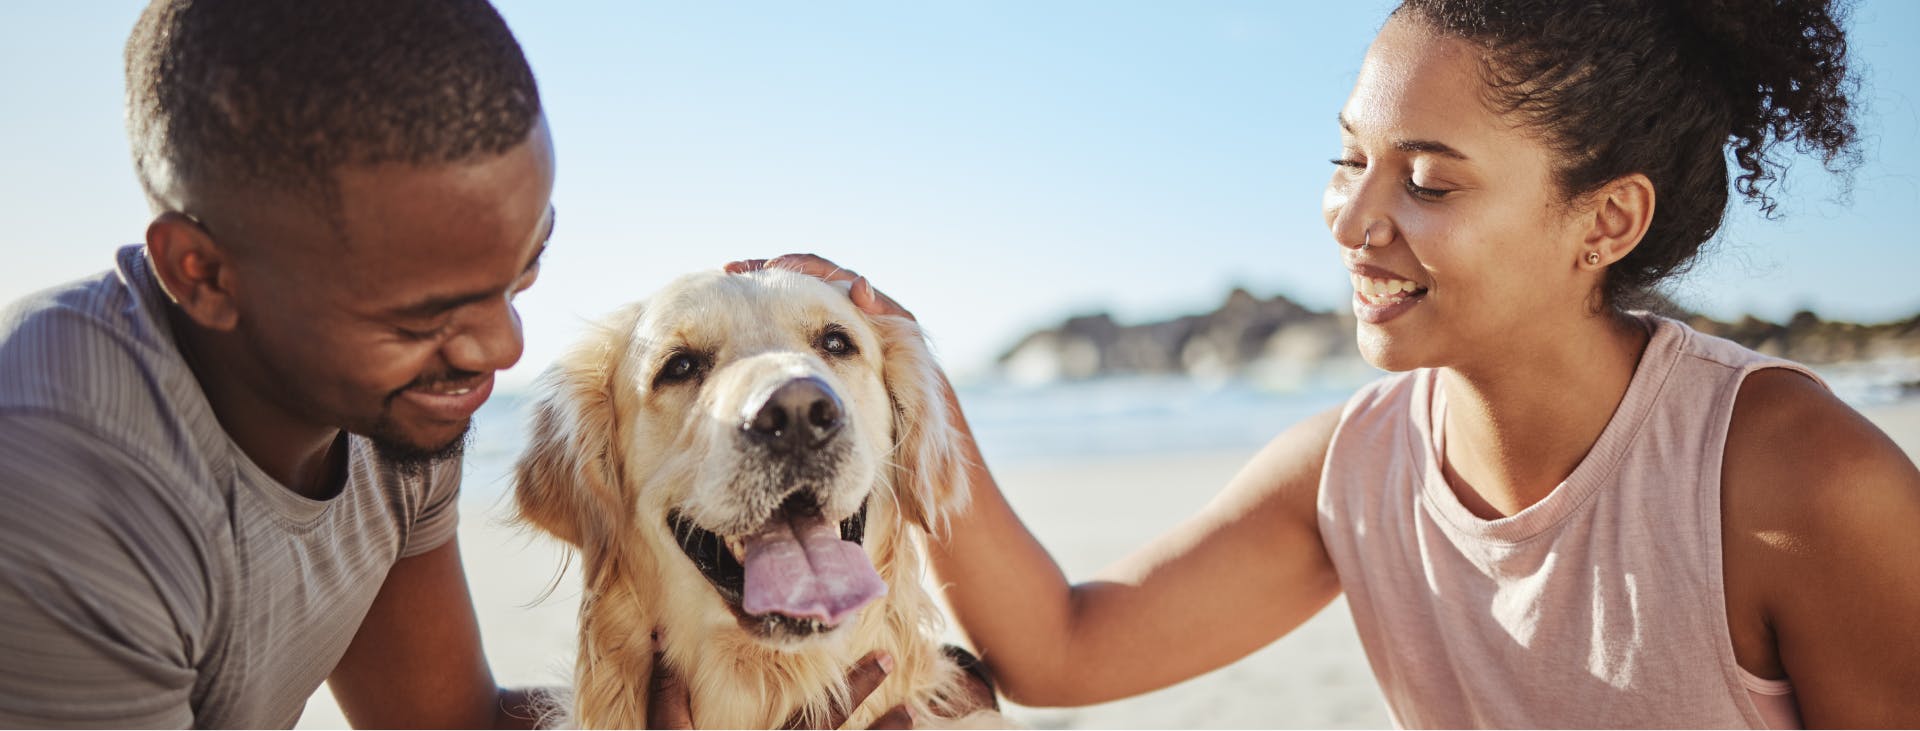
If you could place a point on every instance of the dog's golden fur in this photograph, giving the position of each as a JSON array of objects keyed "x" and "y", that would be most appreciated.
[{"x": 614, "y": 448}]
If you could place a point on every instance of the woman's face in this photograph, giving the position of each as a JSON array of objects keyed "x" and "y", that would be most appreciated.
[{"x": 1471, "y": 254}]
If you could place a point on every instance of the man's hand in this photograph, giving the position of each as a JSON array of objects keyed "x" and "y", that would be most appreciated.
[
  {"x": 979, "y": 686},
  {"x": 864, "y": 296},
  {"x": 669, "y": 705}
]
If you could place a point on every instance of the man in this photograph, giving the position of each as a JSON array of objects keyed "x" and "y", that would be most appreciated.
[{"x": 228, "y": 467}]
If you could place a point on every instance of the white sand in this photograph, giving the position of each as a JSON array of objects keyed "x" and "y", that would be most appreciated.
[{"x": 1088, "y": 513}]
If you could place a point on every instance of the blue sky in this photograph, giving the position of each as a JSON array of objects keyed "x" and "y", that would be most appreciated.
[{"x": 994, "y": 165}]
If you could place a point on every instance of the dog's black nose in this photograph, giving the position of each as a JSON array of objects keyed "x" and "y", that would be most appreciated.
[{"x": 801, "y": 414}]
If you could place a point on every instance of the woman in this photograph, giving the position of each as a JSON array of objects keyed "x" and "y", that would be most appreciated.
[{"x": 1557, "y": 512}]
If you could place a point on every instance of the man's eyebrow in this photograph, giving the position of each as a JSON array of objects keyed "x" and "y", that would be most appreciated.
[
  {"x": 1431, "y": 147},
  {"x": 436, "y": 304}
]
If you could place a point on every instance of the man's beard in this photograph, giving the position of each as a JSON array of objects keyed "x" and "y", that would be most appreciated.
[
  {"x": 409, "y": 458},
  {"x": 414, "y": 460}
]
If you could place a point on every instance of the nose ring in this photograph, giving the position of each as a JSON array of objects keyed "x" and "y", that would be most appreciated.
[{"x": 1368, "y": 241}]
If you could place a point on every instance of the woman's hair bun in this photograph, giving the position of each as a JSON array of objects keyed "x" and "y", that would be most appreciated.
[{"x": 1782, "y": 67}]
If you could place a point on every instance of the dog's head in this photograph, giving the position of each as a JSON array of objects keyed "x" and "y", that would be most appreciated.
[{"x": 755, "y": 431}]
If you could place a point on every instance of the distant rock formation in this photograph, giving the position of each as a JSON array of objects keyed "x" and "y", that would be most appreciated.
[
  {"x": 1274, "y": 340},
  {"x": 1808, "y": 339},
  {"x": 1280, "y": 344}
]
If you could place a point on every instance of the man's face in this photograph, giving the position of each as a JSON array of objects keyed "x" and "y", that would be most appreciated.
[{"x": 391, "y": 320}]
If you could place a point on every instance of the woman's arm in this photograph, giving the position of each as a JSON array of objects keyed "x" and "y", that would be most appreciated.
[
  {"x": 1823, "y": 554},
  {"x": 1244, "y": 571}
]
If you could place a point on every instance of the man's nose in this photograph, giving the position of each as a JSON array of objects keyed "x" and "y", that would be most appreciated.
[{"x": 491, "y": 342}]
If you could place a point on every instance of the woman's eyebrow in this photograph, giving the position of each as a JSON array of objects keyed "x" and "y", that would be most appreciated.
[
  {"x": 1432, "y": 147},
  {"x": 1428, "y": 147}
]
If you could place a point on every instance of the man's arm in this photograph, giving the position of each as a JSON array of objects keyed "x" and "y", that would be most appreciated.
[
  {"x": 99, "y": 603},
  {"x": 417, "y": 661}
]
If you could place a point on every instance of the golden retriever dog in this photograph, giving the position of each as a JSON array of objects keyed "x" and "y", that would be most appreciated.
[{"x": 751, "y": 465}]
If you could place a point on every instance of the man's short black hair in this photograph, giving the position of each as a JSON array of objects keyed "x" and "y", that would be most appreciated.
[{"x": 277, "y": 94}]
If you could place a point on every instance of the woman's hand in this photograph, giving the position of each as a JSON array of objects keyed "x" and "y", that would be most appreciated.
[{"x": 864, "y": 296}]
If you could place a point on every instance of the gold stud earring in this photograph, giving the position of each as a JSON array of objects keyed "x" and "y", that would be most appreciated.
[{"x": 1593, "y": 258}]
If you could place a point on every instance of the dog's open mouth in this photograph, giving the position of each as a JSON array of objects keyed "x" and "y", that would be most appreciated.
[{"x": 796, "y": 575}]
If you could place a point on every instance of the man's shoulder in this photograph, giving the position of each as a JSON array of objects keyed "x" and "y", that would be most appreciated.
[
  {"x": 80, "y": 516},
  {"x": 97, "y": 409},
  {"x": 68, "y": 329},
  {"x": 89, "y": 353},
  {"x": 51, "y": 463}
]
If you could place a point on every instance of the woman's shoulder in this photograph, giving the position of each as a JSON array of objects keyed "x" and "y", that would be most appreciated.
[
  {"x": 1792, "y": 437},
  {"x": 1797, "y": 455},
  {"x": 1807, "y": 482}
]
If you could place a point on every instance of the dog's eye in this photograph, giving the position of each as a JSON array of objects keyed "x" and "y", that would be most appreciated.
[
  {"x": 680, "y": 367},
  {"x": 836, "y": 342}
]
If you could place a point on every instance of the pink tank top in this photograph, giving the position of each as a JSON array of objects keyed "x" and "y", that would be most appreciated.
[{"x": 1601, "y": 606}]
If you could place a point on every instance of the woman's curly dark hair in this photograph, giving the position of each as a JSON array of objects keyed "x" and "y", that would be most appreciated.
[{"x": 1665, "y": 88}]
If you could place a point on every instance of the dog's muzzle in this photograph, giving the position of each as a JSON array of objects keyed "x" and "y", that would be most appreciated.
[{"x": 719, "y": 559}]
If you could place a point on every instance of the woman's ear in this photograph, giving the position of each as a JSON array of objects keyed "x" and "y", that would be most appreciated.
[
  {"x": 1622, "y": 211},
  {"x": 195, "y": 272},
  {"x": 929, "y": 466},
  {"x": 567, "y": 480}
]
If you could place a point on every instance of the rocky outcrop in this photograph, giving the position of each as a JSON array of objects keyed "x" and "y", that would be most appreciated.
[
  {"x": 1808, "y": 339},
  {"x": 1269, "y": 339},
  {"x": 1281, "y": 344}
]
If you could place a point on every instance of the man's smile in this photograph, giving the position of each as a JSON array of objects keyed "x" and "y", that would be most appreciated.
[{"x": 450, "y": 400}]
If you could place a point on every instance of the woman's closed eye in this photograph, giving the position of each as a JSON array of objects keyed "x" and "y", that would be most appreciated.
[
  {"x": 1415, "y": 189},
  {"x": 1425, "y": 193}
]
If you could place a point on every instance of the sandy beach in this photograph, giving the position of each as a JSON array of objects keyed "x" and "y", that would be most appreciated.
[{"x": 1315, "y": 677}]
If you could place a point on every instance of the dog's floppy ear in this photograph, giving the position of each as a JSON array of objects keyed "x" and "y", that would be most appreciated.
[
  {"x": 929, "y": 467},
  {"x": 566, "y": 481}
]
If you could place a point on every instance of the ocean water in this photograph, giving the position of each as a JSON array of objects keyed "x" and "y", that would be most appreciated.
[{"x": 1111, "y": 417}]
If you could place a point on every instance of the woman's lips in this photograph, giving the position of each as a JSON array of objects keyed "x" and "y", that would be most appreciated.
[
  {"x": 1379, "y": 295},
  {"x": 1376, "y": 312}
]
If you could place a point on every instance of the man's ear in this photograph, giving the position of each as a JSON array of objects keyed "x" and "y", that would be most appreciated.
[
  {"x": 196, "y": 274},
  {"x": 1622, "y": 211}
]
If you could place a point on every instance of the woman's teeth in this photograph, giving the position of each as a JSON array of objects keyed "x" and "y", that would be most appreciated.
[{"x": 1384, "y": 291}]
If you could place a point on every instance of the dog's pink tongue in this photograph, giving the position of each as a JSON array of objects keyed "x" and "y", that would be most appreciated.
[{"x": 801, "y": 568}]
